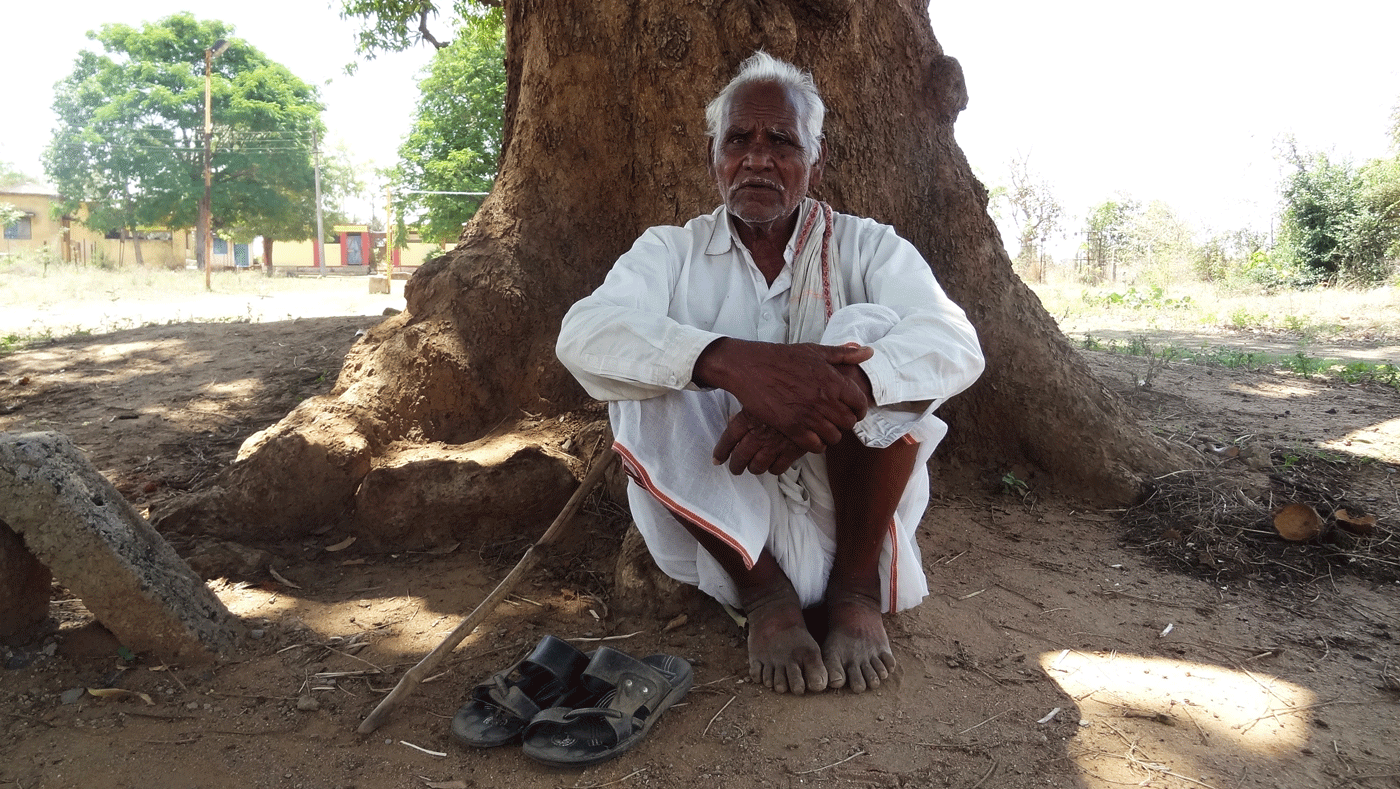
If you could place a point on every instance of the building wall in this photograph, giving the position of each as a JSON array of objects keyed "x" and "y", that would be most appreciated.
[
  {"x": 45, "y": 232},
  {"x": 70, "y": 240},
  {"x": 301, "y": 254}
]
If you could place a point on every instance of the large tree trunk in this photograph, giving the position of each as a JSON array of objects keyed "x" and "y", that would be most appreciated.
[{"x": 604, "y": 137}]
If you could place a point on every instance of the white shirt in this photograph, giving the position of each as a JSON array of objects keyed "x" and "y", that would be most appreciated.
[{"x": 681, "y": 288}]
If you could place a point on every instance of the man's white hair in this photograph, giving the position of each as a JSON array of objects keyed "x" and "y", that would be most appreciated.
[{"x": 763, "y": 68}]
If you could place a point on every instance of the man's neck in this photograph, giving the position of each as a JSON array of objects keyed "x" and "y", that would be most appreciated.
[{"x": 767, "y": 242}]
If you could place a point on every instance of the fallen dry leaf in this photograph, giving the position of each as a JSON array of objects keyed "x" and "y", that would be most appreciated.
[
  {"x": 1297, "y": 522},
  {"x": 1357, "y": 523},
  {"x": 342, "y": 545}
]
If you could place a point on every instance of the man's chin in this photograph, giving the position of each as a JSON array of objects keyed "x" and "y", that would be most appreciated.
[{"x": 758, "y": 214}]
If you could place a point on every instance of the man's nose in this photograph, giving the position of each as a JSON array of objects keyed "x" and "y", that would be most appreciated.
[{"x": 759, "y": 156}]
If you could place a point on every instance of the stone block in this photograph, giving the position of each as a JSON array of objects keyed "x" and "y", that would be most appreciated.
[
  {"x": 378, "y": 283},
  {"x": 75, "y": 523},
  {"x": 24, "y": 585}
]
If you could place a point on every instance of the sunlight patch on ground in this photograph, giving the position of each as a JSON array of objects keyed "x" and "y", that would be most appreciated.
[
  {"x": 242, "y": 387},
  {"x": 1276, "y": 391},
  {"x": 1148, "y": 716},
  {"x": 1381, "y": 440}
]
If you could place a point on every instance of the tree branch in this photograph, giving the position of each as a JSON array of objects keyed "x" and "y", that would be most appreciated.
[{"x": 423, "y": 29}]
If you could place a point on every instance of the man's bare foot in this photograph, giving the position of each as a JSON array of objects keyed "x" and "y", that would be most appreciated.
[
  {"x": 782, "y": 654},
  {"x": 857, "y": 650}
]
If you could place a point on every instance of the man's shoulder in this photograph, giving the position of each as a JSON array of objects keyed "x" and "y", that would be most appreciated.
[
  {"x": 682, "y": 240},
  {"x": 701, "y": 226},
  {"x": 863, "y": 225}
]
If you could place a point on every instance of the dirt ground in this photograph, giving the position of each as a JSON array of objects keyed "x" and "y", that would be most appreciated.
[{"x": 1054, "y": 649}]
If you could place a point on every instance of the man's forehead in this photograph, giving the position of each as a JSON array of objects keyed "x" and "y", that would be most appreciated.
[{"x": 768, "y": 105}]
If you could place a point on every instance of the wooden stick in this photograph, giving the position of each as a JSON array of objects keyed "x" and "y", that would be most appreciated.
[{"x": 425, "y": 667}]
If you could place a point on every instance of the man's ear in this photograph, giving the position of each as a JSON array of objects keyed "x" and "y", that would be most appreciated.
[
  {"x": 710, "y": 158},
  {"x": 814, "y": 180}
]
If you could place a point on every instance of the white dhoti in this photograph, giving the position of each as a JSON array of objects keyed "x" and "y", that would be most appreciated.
[{"x": 666, "y": 443}]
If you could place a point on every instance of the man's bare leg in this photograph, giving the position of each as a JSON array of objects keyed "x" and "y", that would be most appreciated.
[
  {"x": 867, "y": 485},
  {"x": 782, "y": 653}
]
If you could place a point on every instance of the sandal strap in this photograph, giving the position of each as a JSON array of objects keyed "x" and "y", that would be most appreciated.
[
  {"x": 500, "y": 693},
  {"x": 557, "y": 657},
  {"x": 634, "y": 684},
  {"x": 560, "y": 718}
]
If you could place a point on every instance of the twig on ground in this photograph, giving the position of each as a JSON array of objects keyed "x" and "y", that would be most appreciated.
[
  {"x": 986, "y": 775},
  {"x": 717, "y": 714},
  {"x": 833, "y": 764},
  {"x": 421, "y": 748},
  {"x": 984, "y": 723},
  {"x": 380, "y": 669},
  {"x": 632, "y": 774},
  {"x": 610, "y": 638}
]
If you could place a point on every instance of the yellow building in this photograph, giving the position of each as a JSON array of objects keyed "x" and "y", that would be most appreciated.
[{"x": 42, "y": 229}]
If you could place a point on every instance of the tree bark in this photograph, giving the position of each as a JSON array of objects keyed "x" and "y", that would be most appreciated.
[
  {"x": 604, "y": 137},
  {"x": 267, "y": 256}
]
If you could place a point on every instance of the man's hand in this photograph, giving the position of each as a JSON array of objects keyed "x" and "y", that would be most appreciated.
[
  {"x": 749, "y": 445},
  {"x": 799, "y": 390}
]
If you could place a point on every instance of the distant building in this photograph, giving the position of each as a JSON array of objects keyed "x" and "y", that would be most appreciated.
[{"x": 42, "y": 229}]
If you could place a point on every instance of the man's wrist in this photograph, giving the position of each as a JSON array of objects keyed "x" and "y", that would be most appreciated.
[{"x": 708, "y": 372}]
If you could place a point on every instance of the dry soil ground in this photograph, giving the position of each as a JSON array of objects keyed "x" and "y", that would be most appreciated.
[{"x": 1056, "y": 649}]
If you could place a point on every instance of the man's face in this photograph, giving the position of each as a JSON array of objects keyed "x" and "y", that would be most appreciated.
[{"x": 759, "y": 163}]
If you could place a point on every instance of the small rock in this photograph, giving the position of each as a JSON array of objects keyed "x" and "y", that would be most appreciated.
[
  {"x": 71, "y": 695},
  {"x": 308, "y": 703},
  {"x": 256, "y": 633}
]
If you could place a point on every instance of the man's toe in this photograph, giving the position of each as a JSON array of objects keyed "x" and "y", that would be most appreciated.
[
  {"x": 815, "y": 675},
  {"x": 856, "y": 679},
  {"x": 835, "y": 675}
]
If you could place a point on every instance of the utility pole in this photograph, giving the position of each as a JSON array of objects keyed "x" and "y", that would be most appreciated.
[
  {"x": 320, "y": 228},
  {"x": 206, "y": 208}
]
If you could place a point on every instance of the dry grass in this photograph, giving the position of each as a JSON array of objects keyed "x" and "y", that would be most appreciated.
[
  {"x": 40, "y": 302},
  {"x": 1324, "y": 314}
]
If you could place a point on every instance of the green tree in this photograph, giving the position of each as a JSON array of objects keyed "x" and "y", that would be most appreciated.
[
  {"x": 396, "y": 25},
  {"x": 1340, "y": 222},
  {"x": 1162, "y": 244},
  {"x": 1227, "y": 254},
  {"x": 1108, "y": 238},
  {"x": 455, "y": 143},
  {"x": 129, "y": 142}
]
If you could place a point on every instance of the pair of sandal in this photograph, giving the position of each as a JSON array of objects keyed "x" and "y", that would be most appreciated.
[{"x": 570, "y": 709}]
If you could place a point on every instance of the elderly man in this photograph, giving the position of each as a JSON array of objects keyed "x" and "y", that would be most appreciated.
[{"x": 803, "y": 349}]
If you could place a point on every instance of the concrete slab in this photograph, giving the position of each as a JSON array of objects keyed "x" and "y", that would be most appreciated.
[{"x": 79, "y": 527}]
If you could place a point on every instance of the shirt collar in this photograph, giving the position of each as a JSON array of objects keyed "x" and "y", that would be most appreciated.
[{"x": 723, "y": 238}]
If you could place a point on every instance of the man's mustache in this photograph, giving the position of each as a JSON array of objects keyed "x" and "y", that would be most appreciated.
[{"x": 762, "y": 183}]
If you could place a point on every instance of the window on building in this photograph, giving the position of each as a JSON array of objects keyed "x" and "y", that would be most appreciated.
[{"x": 19, "y": 229}]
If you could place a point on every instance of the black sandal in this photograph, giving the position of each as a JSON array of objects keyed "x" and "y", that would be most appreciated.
[
  {"x": 501, "y": 707},
  {"x": 617, "y": 701}
]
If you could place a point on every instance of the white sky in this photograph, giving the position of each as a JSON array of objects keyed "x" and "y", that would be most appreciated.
[{"x": 1182, "y": 102}]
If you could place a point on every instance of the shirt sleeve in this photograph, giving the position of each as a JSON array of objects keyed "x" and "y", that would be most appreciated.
[
  {"x": 619, "y": 342},
  {"x": 932, "y": 353}
]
